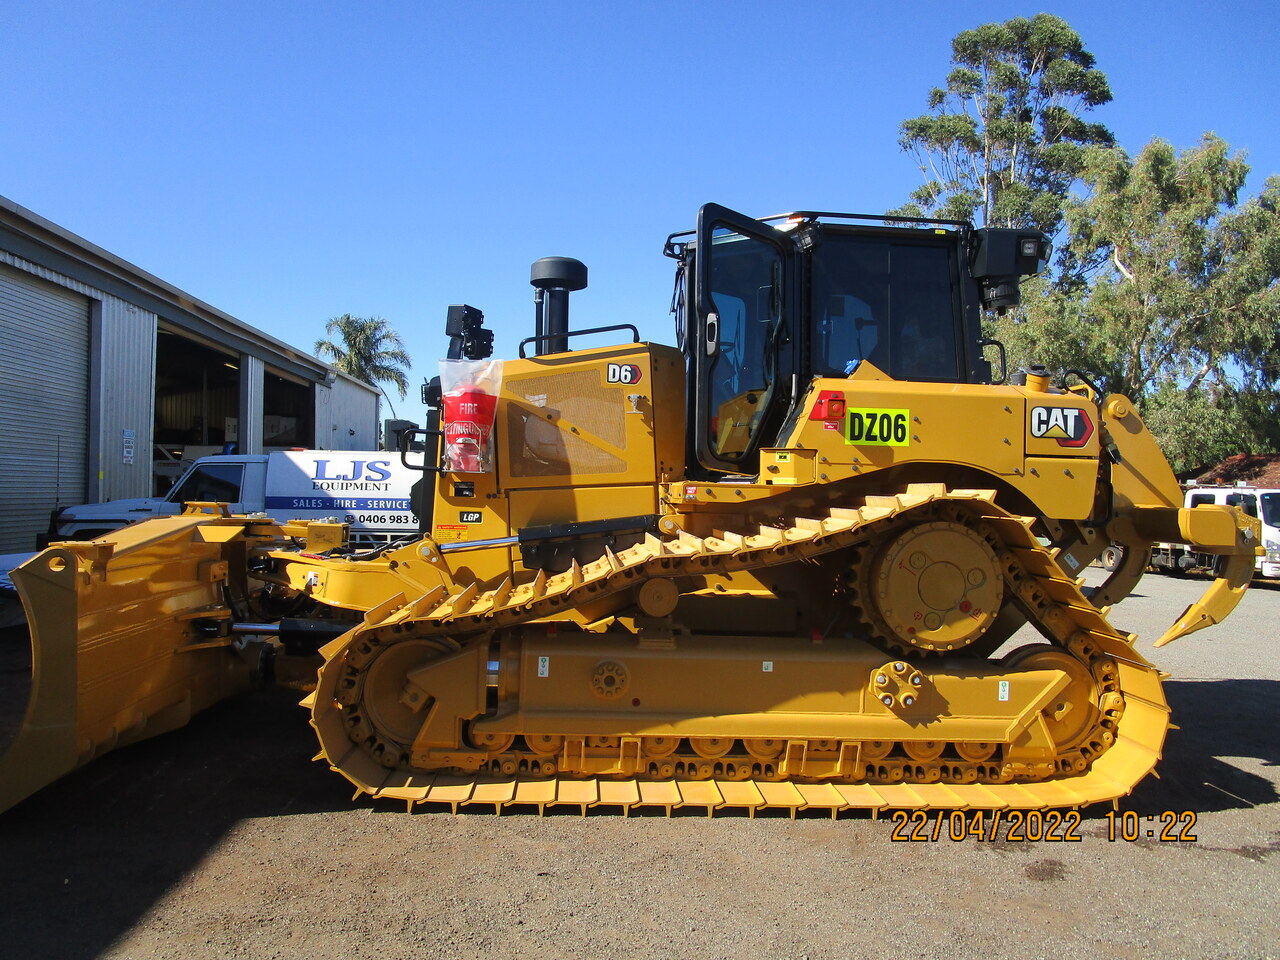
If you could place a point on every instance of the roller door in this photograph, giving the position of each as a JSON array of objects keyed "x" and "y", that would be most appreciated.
[{"x": 44, "y": 396}]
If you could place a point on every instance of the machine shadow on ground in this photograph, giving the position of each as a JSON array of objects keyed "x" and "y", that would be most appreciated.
[
  {"x": 15, "y": 681},
  {"x": 86, "y": 857},
  {"x": 1215, "y": 718}
]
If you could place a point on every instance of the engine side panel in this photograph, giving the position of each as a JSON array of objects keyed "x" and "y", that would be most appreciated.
[{"x": 1043, "y": 445}]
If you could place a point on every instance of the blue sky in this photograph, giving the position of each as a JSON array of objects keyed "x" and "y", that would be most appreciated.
[{"x": 288, "y": 162}]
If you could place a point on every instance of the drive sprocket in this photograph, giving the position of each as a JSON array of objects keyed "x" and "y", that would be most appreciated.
[{"x": 928, "y": 588}]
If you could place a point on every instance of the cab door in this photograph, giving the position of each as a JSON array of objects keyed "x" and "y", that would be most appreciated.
[{"x": 743, "y": 357}]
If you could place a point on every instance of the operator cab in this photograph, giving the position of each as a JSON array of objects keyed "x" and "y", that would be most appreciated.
[{"x": 774, "y": 303}]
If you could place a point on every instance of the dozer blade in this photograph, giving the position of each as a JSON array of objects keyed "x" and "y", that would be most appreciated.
[{"x": 127, "y": 641}]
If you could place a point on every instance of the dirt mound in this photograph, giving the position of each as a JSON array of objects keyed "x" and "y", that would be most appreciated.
[{"x": 1255, "y": 469}]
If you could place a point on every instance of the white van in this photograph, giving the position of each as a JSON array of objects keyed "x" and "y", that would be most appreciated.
[
  {"x": 368, "y": 489},
  {"x": 1260, "y": 502}
]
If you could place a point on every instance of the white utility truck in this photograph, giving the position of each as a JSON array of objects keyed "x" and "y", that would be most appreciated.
[
  {"x": 1260, "y": 502},
  {"x": 368, "y": 489}
]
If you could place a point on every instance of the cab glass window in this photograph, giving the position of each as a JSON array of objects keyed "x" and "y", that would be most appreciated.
[
  {"x": 210, "y": 481},
  {"x": 887, "y": 302},
  {"x": 746, "y": 288}
]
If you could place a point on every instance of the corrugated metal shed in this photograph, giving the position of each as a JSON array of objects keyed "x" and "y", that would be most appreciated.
[
  {"x": 341, "y": 421},
  {"x": 124, "y": 356},
  {"x": 44, "y": 380},
  {"x": 80, "y": 328}
]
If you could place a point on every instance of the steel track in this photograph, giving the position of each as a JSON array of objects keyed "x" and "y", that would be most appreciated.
[{"x": 1105, "y": 764}]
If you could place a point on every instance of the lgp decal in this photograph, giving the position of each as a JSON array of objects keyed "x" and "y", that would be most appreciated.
[
  {"x": 622, "y": 373},
  {"x": 1067, "y": 425}
]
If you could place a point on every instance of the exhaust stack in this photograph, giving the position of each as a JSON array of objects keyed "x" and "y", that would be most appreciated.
[{"x": 554, "y": 279}]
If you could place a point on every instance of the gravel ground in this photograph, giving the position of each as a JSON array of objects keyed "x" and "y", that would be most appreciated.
[{"x": 220, "y": 840}]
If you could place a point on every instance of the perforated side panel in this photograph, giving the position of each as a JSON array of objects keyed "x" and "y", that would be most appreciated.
[{"x": 540, "y": 447}]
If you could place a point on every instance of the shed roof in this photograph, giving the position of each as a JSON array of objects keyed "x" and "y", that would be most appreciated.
[{"x": 31, "y": 237}]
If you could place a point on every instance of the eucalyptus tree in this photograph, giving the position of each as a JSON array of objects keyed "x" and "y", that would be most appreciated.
[
  {"x": 1003, "y": 140},
  {"x": 1179, "y": 304}
]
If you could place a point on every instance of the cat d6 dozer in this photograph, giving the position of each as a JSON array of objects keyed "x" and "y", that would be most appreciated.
[{"x": 776, "y": 566}]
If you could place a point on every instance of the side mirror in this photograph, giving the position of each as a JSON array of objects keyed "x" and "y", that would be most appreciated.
[
  {"x": 431, "y": 393},
  {"x": 1004, "y": 365}
]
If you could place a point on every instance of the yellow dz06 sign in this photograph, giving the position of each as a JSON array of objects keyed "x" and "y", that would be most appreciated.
[{"x": 877, "y": 427}]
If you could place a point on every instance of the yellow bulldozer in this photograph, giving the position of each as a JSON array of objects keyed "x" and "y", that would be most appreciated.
[{"x": 776, "y": 566}]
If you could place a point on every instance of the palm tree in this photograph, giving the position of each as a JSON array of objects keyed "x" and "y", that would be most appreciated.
[{"x": 369, "y": 350}]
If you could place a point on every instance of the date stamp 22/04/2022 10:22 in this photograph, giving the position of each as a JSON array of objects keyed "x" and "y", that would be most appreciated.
[{"x": 1038, "y": 826}]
